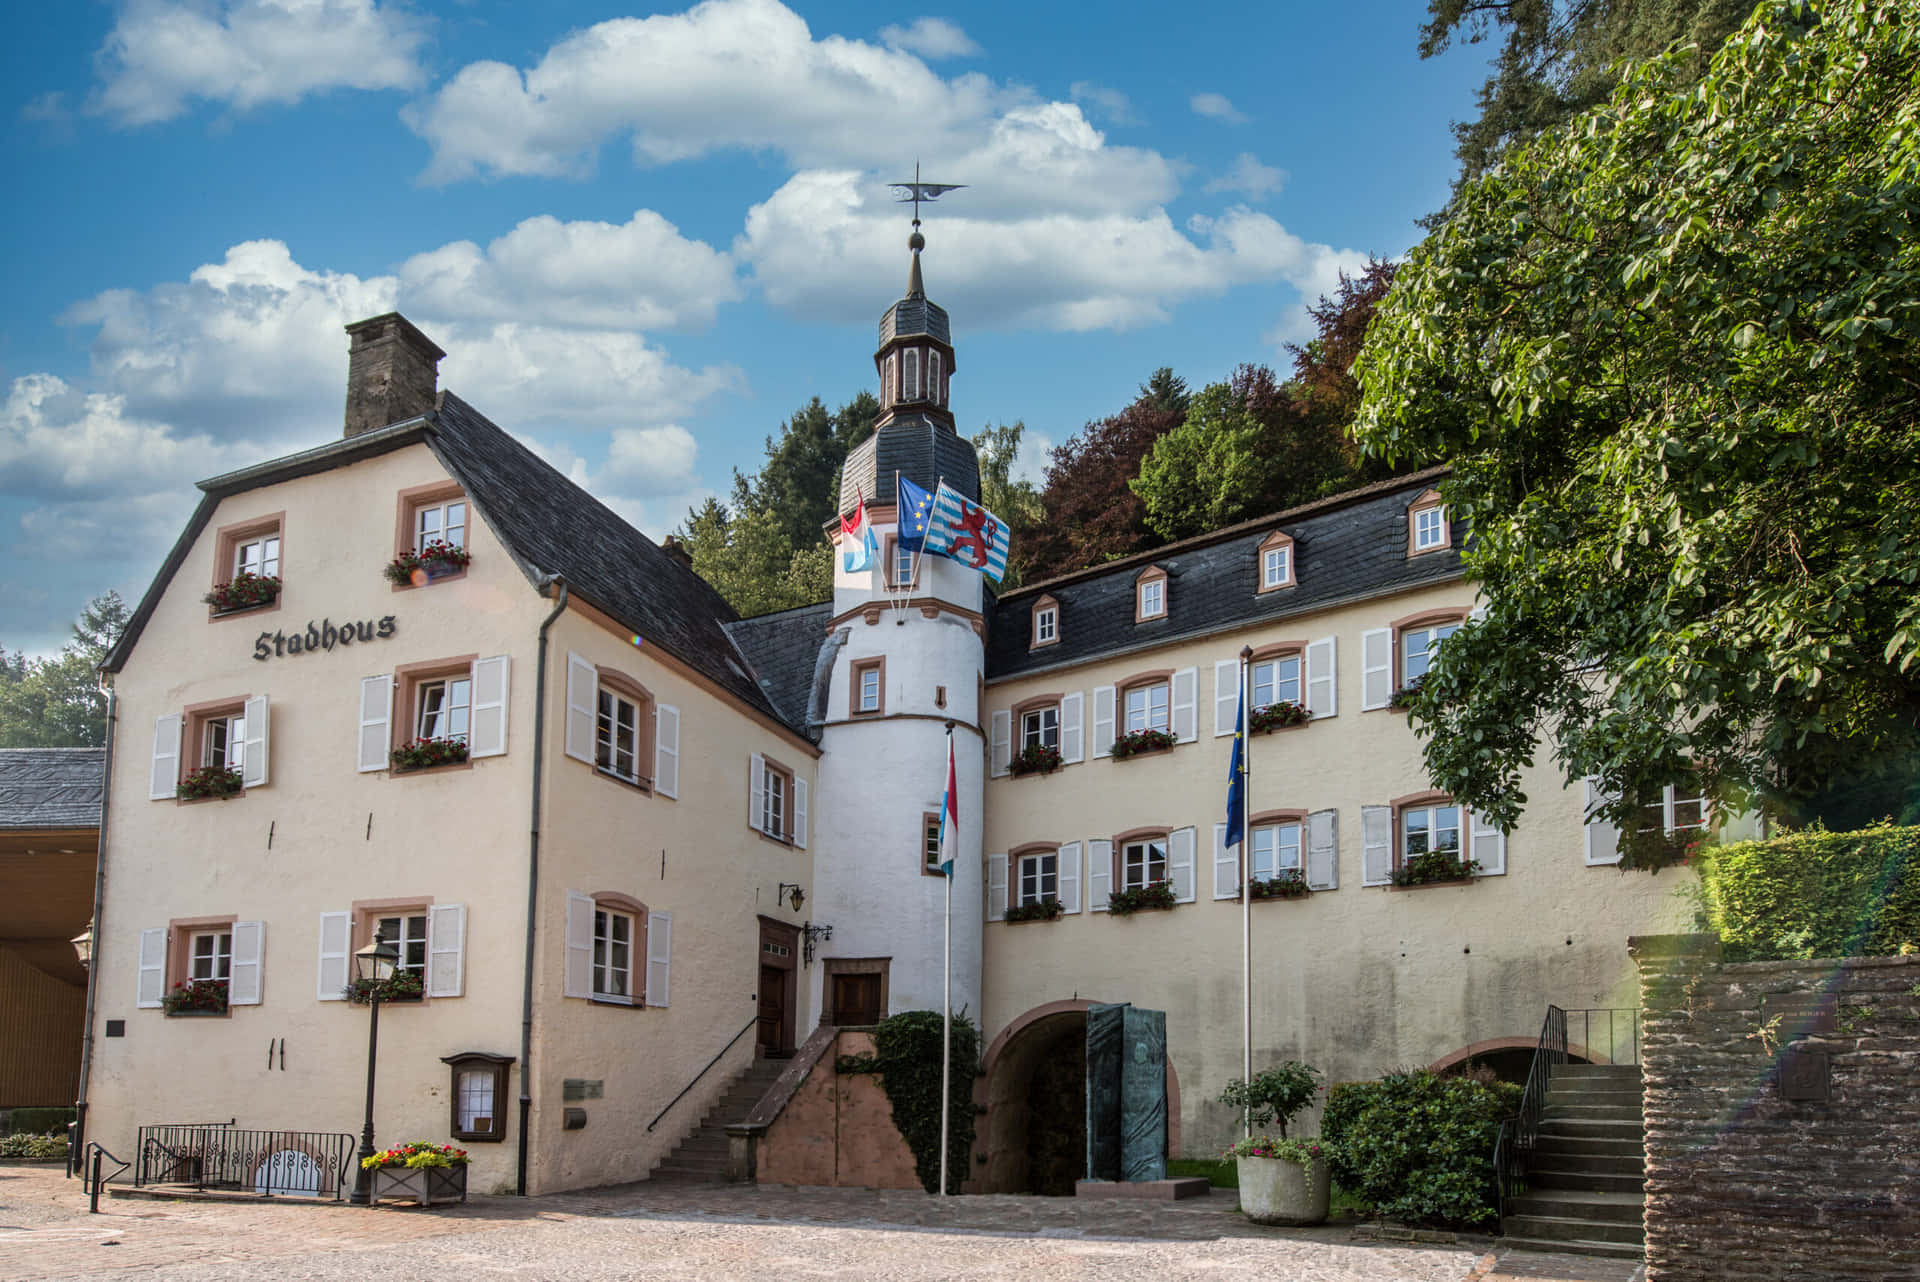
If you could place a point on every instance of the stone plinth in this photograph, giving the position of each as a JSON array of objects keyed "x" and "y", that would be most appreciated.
[{"x": 1173, "y": 1190}]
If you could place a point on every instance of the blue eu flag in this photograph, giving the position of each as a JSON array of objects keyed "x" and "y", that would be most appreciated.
[
  {"x": 1237, "y": 776},
  {"x": 916, "y": 509}
]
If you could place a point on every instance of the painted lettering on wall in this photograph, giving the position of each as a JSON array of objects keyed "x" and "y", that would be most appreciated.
[{"x": 324, "y": 635}]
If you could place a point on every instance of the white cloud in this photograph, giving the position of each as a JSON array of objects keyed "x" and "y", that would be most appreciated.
[
  {"x": 1110, "y": 104},
  {"x": 1248, "y": 175},
  {"x": 57, "y": 441},
  {"x": 650, "y": 460},
  {"x": 1217, "y": 107},
  {"x": 246, "y": 53},
  {"x": 930, "y": 38}
]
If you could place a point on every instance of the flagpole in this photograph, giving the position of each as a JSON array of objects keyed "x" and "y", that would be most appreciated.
[
  {"x": 946, "y": 984},
  {"x": 1246, "y": 889}
]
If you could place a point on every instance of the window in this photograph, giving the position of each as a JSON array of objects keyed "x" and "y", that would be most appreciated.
[
  {"x": 616, "y": 746},
  {"x": 1429, "y": 830},
  {"x": 1681, "y": 808},
  {"x": 1046, "y": 625},
  {"x": 259, "y": 557},
  {"x": 479, "y": 1095},
  {"x": 930, "y": 843},
  {"x": 1142, "y": 863},
  {"x": 1276, "y": 850},
  {"x": 1427, "y": 528},
  {"x": 615, "y": 726},
  {"x": 407, "y": 932},
  {"x": 1418, "y": 646},
  {"x": 1039, "y": 878},
  {"x": 1147, "y": 707},
  {"x": 250, "y": 548},
  {"x": 773, "y": 805},
  {"x": 613, "y": 935},
  {"x": 933, "y": 378},
  {"x": 431, "y": 514},
  {"x": 1276, "y": 562},
  {"x": 1150, "y": 594},
  {"x": 886, "y": 379},
  {"x": 223, "y": 742},
  {"x": 776, "y": 801},
  {"x": 1276, "y": 681},
  {"x": 910, "y": 384},
  {"x": 443, "y": 708},
  {"x": 211, "y": 955},
  {"x": 1040, "y": 728},
  {"x": 440, "y": 523},
  {"x": 206, "y": 964},
  {"x": 869, "y": 687}
]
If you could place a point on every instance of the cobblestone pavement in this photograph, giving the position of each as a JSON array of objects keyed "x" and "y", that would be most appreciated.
[{"x": 704, "y": 1232}]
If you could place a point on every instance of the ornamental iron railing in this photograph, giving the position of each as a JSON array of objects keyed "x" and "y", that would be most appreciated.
[{"x": 219, "y": 1156}]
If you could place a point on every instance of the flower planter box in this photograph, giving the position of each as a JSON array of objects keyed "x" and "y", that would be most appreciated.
[
  {"x": 1277, "y": 1191},
  {"x": 421, "y": 1185}
]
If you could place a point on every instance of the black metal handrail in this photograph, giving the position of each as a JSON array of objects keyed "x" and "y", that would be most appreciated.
[
  {"x": 1519, "y": 1134},
  {"x": 91, "y": 1180},
  {"x": 702, "y": 1073},
  {"x": 310, "y": 1164},
  {"x": 1622, "y": 1034}
]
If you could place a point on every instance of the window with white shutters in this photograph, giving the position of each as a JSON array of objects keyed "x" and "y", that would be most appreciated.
[
  {"x": 1323, "y": 850},
  {"x": 1376, "y": 845},
  {"x": 1323, "y": 678},
  {"x": 1603, "y": 839},
  {"x": 1103, "y": 719},
  {"x": 659, "y": 958},
  {"x": 1099, "y": 875},
  {"x": 996, "y": 888},
  {"x": 1072, "y": 728},
  {"x": 1002, "y": 745},
  {"x": 1069, "y": 871}
]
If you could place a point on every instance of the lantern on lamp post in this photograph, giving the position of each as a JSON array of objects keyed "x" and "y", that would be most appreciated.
[{"x": 374, "y": 966}]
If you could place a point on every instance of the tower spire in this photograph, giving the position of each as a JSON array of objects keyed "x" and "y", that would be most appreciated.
[{"x": 917, "y": 191}]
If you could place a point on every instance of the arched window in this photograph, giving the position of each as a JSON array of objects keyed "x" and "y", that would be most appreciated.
[
  {"x": 934, "y": 390},
  {"x": 910, "y": 385}
]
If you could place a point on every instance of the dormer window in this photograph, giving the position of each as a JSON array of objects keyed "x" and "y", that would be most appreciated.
[
  {"x": 1276, "y": 562},
  {"x": 1427, "y": 527},
  {"x": 1150, "y": 595},
  {"x": 1046, "y": 623}
]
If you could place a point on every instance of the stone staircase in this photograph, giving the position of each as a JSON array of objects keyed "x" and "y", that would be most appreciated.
[
  {"x": 702, "y": 1156},
  {"x": 1586, "y": 1182}
]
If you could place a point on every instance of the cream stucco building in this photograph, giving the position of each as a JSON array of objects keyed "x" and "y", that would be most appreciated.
[{"x": 674, "y": 838}]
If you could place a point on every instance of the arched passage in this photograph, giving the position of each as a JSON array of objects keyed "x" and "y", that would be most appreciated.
[{"x": 1507, "y": 1058}]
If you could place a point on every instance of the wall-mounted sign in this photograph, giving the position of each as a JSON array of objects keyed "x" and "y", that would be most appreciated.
[{"x": 323, "y": 635}]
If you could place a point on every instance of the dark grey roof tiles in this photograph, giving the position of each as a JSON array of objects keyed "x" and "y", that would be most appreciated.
[
  {"x": 51, "y": 787},
  {"x": 914, "y": 317},
  {"x": 1342, "y": 551},
  {"x": 918, "y": 448},
  {"x": 783, "y": 648}
]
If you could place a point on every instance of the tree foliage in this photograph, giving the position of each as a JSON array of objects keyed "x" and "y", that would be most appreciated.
[
  {"x": 1015, "y": 501},
  {"x": 1559, "y": 57},
  {"x": 56, "y": 703},
  {"x": 1670, "y": 351}
]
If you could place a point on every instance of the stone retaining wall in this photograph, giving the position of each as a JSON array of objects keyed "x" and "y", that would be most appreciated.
[{"x": 1744, "y": 1182}]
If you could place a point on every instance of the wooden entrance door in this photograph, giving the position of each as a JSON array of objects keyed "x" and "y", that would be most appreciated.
[
  {"x": 773, "y": 1009},
  {"x": 856, "y": 999},
  {"x": 778, "y": 943}
]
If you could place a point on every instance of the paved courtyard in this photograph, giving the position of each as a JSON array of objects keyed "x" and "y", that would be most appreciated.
[{"x": 710, "y": 1232}]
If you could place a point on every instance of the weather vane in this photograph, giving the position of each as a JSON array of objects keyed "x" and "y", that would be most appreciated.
[{"x": 917, "y": 191}]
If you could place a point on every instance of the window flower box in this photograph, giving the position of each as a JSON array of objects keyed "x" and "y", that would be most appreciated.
[
  {"x": 1288, "y": 885},
  {"x": 196, "y": 997},
  {"x": 402, "y": 986},
  {"x": 1403, "y": 698},
  {"x": 244, "y": 591},
  {"x": 434, "y": 561},
  {"x": 1653, "y": 850},
  {"x": 209, "y": 781},
  {"x": 1434, "y": 868},
  {"x": 420, "y": 1173},
  {"x": 1045, "y": 910},
  {"x": 424, "y": 754},
  {"x": 1132, "y": 745},
  {"x": 1036, "y": 760},
  {"x": 1278, "y": 716},
  {"x": 1153, "y": 896}
]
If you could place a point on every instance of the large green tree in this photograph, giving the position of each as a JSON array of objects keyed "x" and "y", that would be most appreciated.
[
  {"x": 1671, "y": 351},
  {"x": 56, "y": 702},
  {"x": 1013, "y": 500}
]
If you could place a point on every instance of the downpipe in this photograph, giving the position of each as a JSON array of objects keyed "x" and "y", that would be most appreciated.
[{"x": 533, "y": 875}]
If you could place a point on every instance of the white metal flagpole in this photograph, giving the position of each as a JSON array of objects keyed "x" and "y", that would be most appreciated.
[
  {"x": 1246, "y": 888},
  {"x": 950, "y": 844}
]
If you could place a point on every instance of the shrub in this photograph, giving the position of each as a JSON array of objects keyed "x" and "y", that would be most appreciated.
[
  {"x": 906, "y": 1054},
  {"x": 41, "y": 1146},
  {"x": 1816, "y": 894},
  {"x": 1275, "y": 1096},
  {"x": 1418, "y": 1147}
]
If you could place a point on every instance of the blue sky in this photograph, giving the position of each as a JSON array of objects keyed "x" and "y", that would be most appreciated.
[{"x": 645, "y": 236}]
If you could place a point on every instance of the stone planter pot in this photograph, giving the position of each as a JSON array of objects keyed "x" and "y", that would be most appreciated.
[
  {"x": 1273, "y": 1191},
  {"x": 421, "y": 1185}
]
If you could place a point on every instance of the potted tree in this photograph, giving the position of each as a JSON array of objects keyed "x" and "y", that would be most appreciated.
[{"x": 1282, "y": 1181}]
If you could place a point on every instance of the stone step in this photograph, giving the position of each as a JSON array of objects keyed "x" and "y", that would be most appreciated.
[
  {"x": 1554, "y": 1228},
  {"x": 1579, "y": 1204},
  {"x": 694, "y": 1165},
  {"x": 704, "y": 1143},
  {"x": 1560, "y": 1159},
  {"x": 1594, "y": 1128},
  {"x": 1575, "y": 1246},
  {"x": 1561, "y": 1143},
  {"x": 1598, "y": 1112},
  {"x": 1596, "y": 1070},
  {"x": 1561, "y": 1094},
  {"x": 671, "y": 1175},
  {"x": 1561, "y": 1177}
]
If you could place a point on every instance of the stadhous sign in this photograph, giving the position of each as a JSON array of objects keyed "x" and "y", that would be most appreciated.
[{"x": 324, "y": 635}]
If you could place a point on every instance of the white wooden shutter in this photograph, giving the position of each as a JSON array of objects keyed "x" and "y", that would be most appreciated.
[
  {"x": 1376, "y": 845},
  {"x": 1002, "y": 742},
  {"x": 249, "y": 946},
  {"x": 1323, "y": 850},
  {"x": 152, "y": 984},
  {"x": 996, "y": 887},
  {"x": 164, "y": 782},
  {"x": 1068, "y": 865},
  {"x": 1603, "y": 839},
  {"x": 1226, "y": 696},
  {"x": 253, "y": 763},
  {"x": 1226, "y": 865},
  {"x": 659, "y": 958},
  {"x": 446, "y": 950},
  {"x": 800, "y": 813},
  {"x": 757, "y": 792},
  {"x": 1099, "y": 875},
  {"x": 487, "y": 735},
  {"x": 376, "y": 724},
  {"x": 583, "y": 688},
  {"x": 1323, "y": 677},
  {"x": 666, "y": 750},
  {"x": 578, "y": 978},
  {"x": 1186, "y": 705},
  {"x": 1103, "y": 701},
  {"x": 1180, "y": 853},
  {"x": 336, "y": 946},
  {"x": 1073, "y": 736},
  {"x": 1376, "y": 668},
  {"x": 1489, "y": 846}
]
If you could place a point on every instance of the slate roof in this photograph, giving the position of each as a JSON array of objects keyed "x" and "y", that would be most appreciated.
[
  {"x": 783, "y": 649},
  {"x": 1345, "y": 548},
  {"x": 917, "y": 446},
  {"x": 51, "y": 787},
  {"x": 912, "y": 317}
]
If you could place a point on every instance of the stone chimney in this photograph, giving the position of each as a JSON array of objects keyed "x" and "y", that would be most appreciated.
[
  {"x": 392, "y": 372},
  {"x": 674, "y": 548}
]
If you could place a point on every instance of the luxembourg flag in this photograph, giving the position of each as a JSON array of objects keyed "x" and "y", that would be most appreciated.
[
  {"x": 862, "y": 550},
  {"x": 949, "y": 817}
]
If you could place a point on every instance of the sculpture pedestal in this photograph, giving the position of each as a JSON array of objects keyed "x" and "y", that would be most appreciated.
[{"x": 1173, "y": 1190}]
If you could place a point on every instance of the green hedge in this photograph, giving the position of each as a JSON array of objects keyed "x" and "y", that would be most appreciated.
[
  {"x": 1816, "y": 894},
  {"x": 1417, "y": 1147},
  {"x": 39, "y": 1121}
]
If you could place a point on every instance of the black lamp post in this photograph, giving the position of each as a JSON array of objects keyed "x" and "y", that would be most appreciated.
[{"x": 374, "y": 964}]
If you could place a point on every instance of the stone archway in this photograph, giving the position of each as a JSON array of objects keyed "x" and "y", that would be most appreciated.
[
  {"x": 1034, "y": 1131},
  {"x": 1508, "y": 1058}
]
